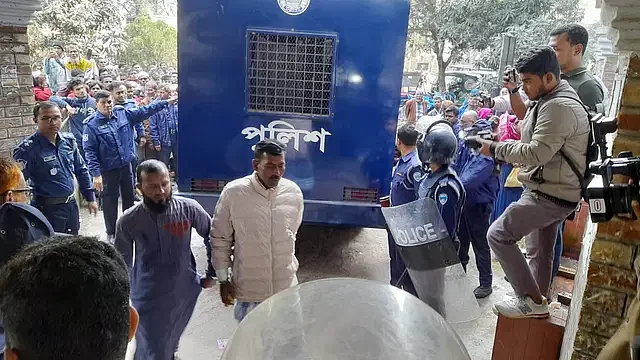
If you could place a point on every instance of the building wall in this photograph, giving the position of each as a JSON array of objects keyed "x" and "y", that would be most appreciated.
[
  {"x": 606, "y": 281},
  {"x": 16, "y": 88}
]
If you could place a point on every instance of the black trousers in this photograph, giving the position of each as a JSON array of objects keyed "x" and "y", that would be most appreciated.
[{"x": 116, "y": 182}]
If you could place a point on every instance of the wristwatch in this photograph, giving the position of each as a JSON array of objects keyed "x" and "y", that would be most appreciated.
[{"x": 515, "y": 90}]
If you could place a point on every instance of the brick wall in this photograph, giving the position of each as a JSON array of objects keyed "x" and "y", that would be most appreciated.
[
  {"x": 16, "y": 88},
  {"x": 606, "y": 282}
]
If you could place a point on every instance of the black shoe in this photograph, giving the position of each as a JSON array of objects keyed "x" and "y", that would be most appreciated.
[{"x": 482, "y": 292}]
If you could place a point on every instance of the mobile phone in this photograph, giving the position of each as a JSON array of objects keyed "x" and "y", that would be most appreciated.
[{"x": 512, "y": 76}]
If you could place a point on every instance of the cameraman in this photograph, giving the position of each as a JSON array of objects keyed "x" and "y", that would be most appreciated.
[{"x": 552, "y": 189}]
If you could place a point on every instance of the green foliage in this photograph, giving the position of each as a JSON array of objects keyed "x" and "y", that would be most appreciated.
[
  {"x": 533, "y": 31},
  {"x": 452, "y": 28},
  {"x": 150, "y": 42},
  {"x": 90, "y": 24}
]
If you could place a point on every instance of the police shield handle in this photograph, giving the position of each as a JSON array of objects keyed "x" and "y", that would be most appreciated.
[
  {"x": 97, "y": 183},
  {"x": 227, "y": 293}
]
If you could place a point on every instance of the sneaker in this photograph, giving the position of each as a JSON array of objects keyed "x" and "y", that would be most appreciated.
[
  {"x": 522, "y": 308},
  {"x": 482, "y": 292}
]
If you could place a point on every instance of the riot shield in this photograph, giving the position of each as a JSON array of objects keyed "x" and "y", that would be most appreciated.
[
  {"x": 432, "y": 260},
  {"x": 344, "y": 319}
]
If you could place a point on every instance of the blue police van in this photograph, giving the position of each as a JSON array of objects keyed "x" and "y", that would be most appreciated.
[{"x": 321, "y": 76}]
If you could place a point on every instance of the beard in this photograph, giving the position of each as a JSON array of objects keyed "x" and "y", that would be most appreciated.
[{"x": 157, "y": 207}]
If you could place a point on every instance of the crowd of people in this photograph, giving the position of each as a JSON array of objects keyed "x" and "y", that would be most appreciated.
[
  {"x": 85, "y": 93},
  {"x": 250, "y": 249},
  {"x": 523, "y": 184},
  {"x": 514, "y": 182}
]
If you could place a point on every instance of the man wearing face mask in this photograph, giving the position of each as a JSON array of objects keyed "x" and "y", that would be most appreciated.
[
  {"x": 164, "y": 282},
  {"x": 254, "y": 230},
  {"x": 555, "y": 129}
]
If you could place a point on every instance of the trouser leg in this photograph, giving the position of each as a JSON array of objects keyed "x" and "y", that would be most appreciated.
[
  {"x": 395, "y": 270},
  {"x": 540, "y": 247},
  {"x": 126, "y": 187},
  {"x": 481, "y": 246},
  {"x": 557, "y": 253},
  {"x": 529, "y": 214},
  {"x": 110, "y": 195},
  {"x": 465, "y": 239},
  {"x": 61, "y": 217}
]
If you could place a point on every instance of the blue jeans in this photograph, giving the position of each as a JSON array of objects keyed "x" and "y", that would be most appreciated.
[
  {"x": 242, "y": 309},
  {"x": 557, "y": 250}
]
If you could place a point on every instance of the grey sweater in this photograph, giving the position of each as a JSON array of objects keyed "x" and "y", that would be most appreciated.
[{"x": 562, "y": 124}]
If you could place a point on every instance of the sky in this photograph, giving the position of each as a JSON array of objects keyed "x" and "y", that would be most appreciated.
[{"x": 591, "y": 14}]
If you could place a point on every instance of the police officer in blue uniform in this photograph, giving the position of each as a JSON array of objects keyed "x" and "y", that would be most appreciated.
[
  {"x": 437, "y": 150},
  {"x": 406, "y": 173},
  {"x": 50, "y": 160},
  {"x": 107, "y": 138},
  {"x": 480, "y": 179}
]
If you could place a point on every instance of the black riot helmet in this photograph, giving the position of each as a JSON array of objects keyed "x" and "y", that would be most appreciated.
[{"x": 438, "y": 144}]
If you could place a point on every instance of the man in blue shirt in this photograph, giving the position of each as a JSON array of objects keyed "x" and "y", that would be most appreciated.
[
  {"x": 50, "y": 159},
  {"x": 120, "y": 97},
  {"x": 480, "y": 181},
  {"x": 107, "y": 138},
  {"x": 406, "y": 174},
  {"x": 80, "y": 107},
  {"x": 163, "y": 129}
]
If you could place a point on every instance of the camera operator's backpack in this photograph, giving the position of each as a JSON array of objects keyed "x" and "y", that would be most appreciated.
[{"x": 592, "y": 147}]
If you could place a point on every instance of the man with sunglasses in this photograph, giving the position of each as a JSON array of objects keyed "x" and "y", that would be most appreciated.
[{"x": 50, "y": 159}]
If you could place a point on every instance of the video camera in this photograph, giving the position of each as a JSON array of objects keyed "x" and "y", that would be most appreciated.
[
  {"x": 471, "y": 142},
  {"x": 606, "y": 199}
]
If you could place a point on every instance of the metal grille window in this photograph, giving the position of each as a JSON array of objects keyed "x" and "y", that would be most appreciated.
[{"x": 290, "y": 73}]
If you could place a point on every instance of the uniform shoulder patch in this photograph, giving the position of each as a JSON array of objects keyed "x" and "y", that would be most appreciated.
[
  {"x": 443, "y": 198},
  {"x": 26, "y": 143}
]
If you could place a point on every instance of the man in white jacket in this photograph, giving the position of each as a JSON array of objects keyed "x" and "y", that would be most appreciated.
[{"x": 255, "y": 221}]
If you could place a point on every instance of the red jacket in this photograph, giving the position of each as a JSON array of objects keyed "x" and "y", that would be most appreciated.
[{"x": 41, "y": 93}]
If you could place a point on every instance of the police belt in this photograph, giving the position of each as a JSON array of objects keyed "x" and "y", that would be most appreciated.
[
  {"x": 557, "y": 201},
  {"x": 54, "y": 201}
]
